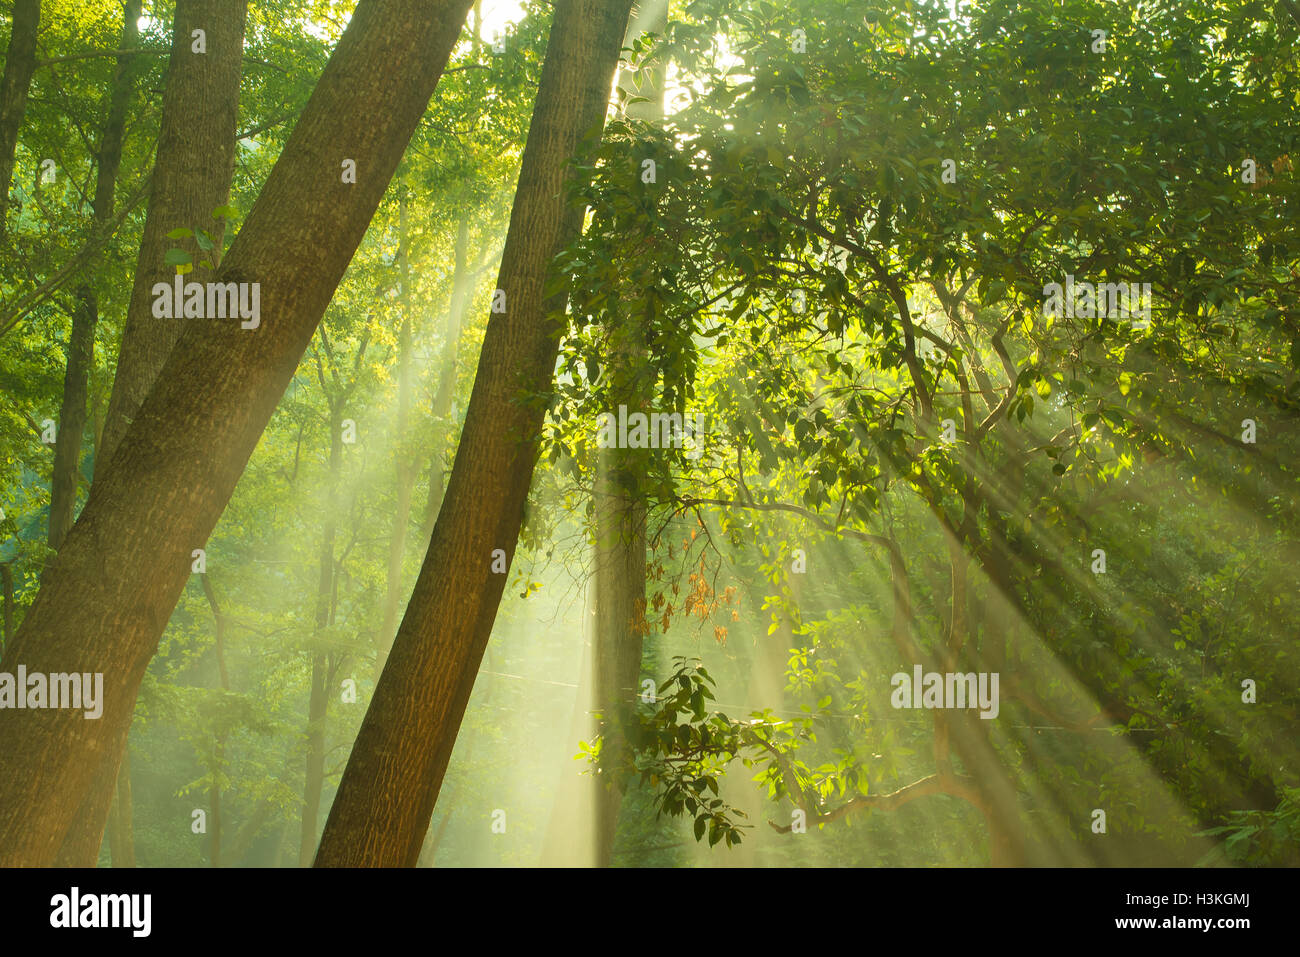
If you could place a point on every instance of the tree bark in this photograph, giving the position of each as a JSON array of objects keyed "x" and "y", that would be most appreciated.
[
  {"x": 81, "y": 342},
  {"x": 20, "y": 63},
  {"x": 191, "y": 178},
  {"x": 106, "y": 598},
  {"x": 385, "y": 799}
]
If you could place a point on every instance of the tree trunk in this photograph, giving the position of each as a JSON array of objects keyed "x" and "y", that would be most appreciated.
[
  {"x": 191, "y": 178},
  {"x": 20, "y": 63},
  {"x": 620, "y": 553},
  {"x": 81, "y": 342},
  {"x": 106, "y": 598},
  {"x": 314, "y": 780},
  {"x": 620, "y": 617},
  {"x": 72, "y": 415},
  {"x": 318, "y": 706},
  {"x": 462, "y": 288},
  {"x": 406, "y": 468},
  {"x": 385, "y": 799},
  {"x": 214, "y": 793}
]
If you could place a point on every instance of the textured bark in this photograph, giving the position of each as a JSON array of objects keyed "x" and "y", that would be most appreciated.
[
  {"x": 385, "y": 799},
  {"x": 81, "y": 343},
  {"x": 191, "y": 178},
  {"x": 20, "y": 63},
  {"x": 106, "y": 598}
]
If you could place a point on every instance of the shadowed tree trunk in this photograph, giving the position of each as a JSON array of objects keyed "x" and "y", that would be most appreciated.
[
  {"x": 177, "y": 465},
  {"x": 20, "y": 63},
  {"x": 385, "y": 799},
  {"x": 85, "y": 316},
  {"x": 191, "y": 177}
]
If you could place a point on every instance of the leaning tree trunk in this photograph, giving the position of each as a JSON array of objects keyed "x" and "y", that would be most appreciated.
[
  {"x": 191, "y": 177},
  {"x": 20, "y": 64},
  {"x": 106, "y": 598},
  {"x": 387, "y": 794}
]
